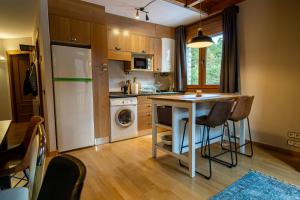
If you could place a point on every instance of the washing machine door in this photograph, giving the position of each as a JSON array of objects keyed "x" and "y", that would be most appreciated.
[{"x": 124, "y": 117}]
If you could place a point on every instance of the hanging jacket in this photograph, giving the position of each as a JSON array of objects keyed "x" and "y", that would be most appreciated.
[{"x": 30, "y": 83}]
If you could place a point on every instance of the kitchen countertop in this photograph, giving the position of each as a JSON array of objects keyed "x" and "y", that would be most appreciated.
[
  {"x": 191, "y": 98},
  {"x": 122, "y": 95}
]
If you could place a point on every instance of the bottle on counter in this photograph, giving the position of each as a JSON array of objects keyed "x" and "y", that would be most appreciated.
[
  {"x": 129, "y": 87},
  {"x": 135, "y": 86}
]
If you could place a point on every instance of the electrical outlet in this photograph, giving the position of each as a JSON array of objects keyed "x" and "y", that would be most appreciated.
[
  {"x": 291, "y": 134},
  {"x": 290, "y": 142},
  {"x": 297, "y": 144},
  {"x": 297, "y": 135}
]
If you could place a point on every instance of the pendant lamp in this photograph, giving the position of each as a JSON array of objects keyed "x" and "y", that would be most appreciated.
[{"x": 201, "y": 40}]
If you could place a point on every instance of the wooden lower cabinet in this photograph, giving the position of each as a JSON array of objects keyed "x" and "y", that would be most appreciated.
[{"x": 145, "y": 116}]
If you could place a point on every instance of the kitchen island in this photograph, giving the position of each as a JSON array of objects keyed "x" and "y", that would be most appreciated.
[{"x": 185, "y": 106}]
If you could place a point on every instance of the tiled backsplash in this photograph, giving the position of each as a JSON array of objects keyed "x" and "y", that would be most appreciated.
[{"x": 117, "y": 75}]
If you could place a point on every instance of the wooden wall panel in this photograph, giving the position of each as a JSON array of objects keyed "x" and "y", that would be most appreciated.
[
  {"x": 100, "y": 81},
  {"x": 210, "y": 25},
  {"x": 139, "y": 27},
  {"x": 134, "y": 26},
  {"x": 77, "y": 9},
  {"x": 164, "y": 31}
]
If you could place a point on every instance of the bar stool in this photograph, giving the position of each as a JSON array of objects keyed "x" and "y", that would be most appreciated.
[
  {"x": 217, "y": 116},
  {"x": 241, "y": 111}
]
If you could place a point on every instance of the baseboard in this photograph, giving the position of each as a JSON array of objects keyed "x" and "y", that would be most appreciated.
[
  {"x": 103, "y": 140},
  {"x": 278, "y": 149}
]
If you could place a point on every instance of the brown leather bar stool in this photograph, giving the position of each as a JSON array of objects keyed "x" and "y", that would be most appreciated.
[
  {"x": 241, "y": 111},
  {"x": 217, "y": 116}
]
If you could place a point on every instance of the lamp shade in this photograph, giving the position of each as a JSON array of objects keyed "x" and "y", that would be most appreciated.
[{"x": 200, "y": 41}]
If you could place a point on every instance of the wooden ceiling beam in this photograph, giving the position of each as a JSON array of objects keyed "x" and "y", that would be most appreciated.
[
  {"x": 212, "y": 6},
  {"x": 207, "y": 6},
  {"x": 183, "y": 3},
  {"x": 192, "y": 3}
]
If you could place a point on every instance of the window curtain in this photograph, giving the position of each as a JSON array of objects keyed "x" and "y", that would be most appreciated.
[
  {"x": 230, "y": 67},
  {"x": 180, "y": 59}
]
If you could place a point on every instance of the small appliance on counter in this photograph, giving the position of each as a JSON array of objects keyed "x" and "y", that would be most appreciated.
[{"x": 148, "y": 89}]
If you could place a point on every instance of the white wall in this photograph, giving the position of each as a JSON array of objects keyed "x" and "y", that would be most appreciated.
[
  {"x": 117, "y": 75},
  {"x": 269, "y": 45},
  {"x": 5, "y": 96}
]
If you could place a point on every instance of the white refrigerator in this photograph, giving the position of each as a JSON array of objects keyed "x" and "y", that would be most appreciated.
[{"x": 73, "y": 92}]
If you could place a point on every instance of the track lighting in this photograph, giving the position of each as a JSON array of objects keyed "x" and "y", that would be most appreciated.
[{"x": 142, "y": 9}]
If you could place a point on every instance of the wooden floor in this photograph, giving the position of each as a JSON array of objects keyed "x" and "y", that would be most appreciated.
[{"x": 126, "y": 170}]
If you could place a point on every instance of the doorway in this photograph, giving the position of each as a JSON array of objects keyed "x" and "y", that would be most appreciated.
[{"x": 22, "y": 105}]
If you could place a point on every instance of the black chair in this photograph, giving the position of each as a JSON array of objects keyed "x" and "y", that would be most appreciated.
[
  {"x": 241, "y": 111},
  {"x": 64, "y": 179},
  {"x": 217, "y": 116}
]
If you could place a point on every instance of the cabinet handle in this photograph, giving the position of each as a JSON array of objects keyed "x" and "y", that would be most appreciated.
[
  {"x": 73, "y": 39},
  {"x": 143, "y": 51},
  {"x": 117, "y": 48},
  {"x": 104, "y": 67}
]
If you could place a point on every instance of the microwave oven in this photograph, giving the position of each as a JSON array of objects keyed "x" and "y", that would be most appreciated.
[{"x": 143, "y": 62}]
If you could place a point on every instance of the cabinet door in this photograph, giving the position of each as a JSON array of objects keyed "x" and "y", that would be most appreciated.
[
  {"x": 151, "y": 45},
  {"x": 144, "y": 113},
  {"x": 118, "y": 40},
  {"x": 142, "y": 44},
  {"x": 136, "y": 43},
  {"x": 59, "y": 28},
  {"x": 80, "y": 32},
  {"x": 157, "y": 54}
]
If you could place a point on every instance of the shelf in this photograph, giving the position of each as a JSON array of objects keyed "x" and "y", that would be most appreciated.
[
  {"x": 164, "y": 126},
  {"x": 168, "y": 149}
]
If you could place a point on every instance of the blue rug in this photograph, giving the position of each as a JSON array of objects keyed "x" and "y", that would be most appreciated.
[{"x": 255, "y": 185}]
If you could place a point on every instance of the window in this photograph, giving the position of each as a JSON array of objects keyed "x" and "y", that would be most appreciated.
[
  {"x": 204, "y": 65},
  {"x": 192, "y": 66}
]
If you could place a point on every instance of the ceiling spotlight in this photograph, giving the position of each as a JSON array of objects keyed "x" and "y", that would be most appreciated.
[
  {"x": 137, "y": 16},
  {"x": 142, "y": 9}
]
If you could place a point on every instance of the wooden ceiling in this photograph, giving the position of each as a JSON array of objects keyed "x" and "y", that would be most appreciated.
[{"x": 206, "y": 6}]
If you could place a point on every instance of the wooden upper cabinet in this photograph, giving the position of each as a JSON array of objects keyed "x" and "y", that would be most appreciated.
[
  {"x": 80, "y": 31},
  {"x": 59, "y": 28},
  {"x": 157, "y": 55},
  {"x": 63, "y": 29},
  {"x": 142, "y": 44},
  {"x": 118, "y": 40}
]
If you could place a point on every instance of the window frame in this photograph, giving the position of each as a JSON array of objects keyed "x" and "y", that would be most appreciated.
[{"x": 202, "y": 71}]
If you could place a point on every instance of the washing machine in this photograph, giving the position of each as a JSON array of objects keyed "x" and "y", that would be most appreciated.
[{"x": 123, "y": 112}]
